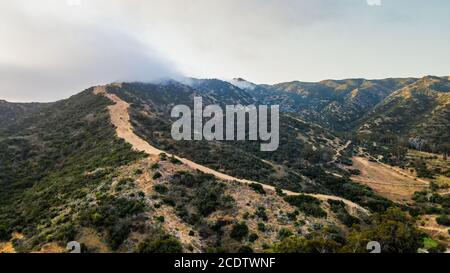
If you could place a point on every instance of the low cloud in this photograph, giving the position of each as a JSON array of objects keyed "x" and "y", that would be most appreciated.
[
  {"x": 374, "y": 2},
  {"x": 52, "y": 58}
]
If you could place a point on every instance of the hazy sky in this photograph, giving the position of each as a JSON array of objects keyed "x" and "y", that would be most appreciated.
[{"x": 50, "y": 49}]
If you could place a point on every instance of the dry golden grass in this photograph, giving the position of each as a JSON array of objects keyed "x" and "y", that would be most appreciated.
[{"x": 389, "y": 182}]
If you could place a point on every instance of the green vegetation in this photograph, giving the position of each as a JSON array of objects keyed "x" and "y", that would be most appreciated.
[
  {"x": 253, "y": 237},
  {"x": 162, "y": 244},
  {"x": 258, "y": 188},
  {"x": 429, "y": 243},
  {"x": 443, "y": 220},
  {"x": 284, "y": 233},
  {"x": 394, "y": 229},
  {"x": 280, "y": 192},
  {"x": 50, "y": 161},
  {"x": 59, "y": 164},
  {"x": 339, "y": 208},
  {"x": 112, "y": 216},
  {"x": 307, "y": 204},
  {"x": 174, "y": 160},
  {"x": 262, "y": 227},
  {"x": 239, "y": 231},
  {"x": 4, "y": 233},
  {"x": 157, "y": 175},
  {"x": 245, "y": 249},
  {"x": 260, "y": 213},
  {"x": 161, "y": 189}
]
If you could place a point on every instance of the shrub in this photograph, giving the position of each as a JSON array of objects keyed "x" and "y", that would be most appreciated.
[
  {"x": 239, "y": 231},
  {"x": 394, "y": 229},
  {"x": 284, "y": 233},
  {"x": 246, "y": 215},
  {"x": 339, "y": 207},
  {"x": 293, "y": 215},
  {"x": 161, "y": 189},
  {"x": 174, "y": 160},
  {"x": 443, "y": 220},
  {"x": 66, "y": 233},
  {"x": 110, "y": 215},
  {"x": 245, "y": 249},
  {"x": 261, "y": 214},
  {"x": 157, "y": 175},
  {"x": 166, "y": 244},
  {"x": 262, "y": 227},
  {"x": 4, "y": 234},
  {"x": 307, "y": 204},
  {"x": 347, "y": 219},
  {"x": 117, "y": 234},
  {"x": 160, "y": 219},
  {"x": 253, "y": 237},
  {"x": 155, "y": 166},
  {"x": 280, "y": 192},
  {"x": 258, "y": 188},
  {"x": 163, "y": 157},
  {"x": 336, "y": 205}
]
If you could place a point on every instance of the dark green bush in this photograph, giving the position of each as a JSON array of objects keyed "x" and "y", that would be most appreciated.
[
  {"x": 258, "y": 188},
  {"x": 165, "y": 244},
  {"x": 443, "y": 220},
  {"x": 161, "y": 189},
  {"x": 239, "y": 231},
  {"x": 253, "y": 237},
  {"x": 157, "y": 175},
  {"x": 4, "y": 233},
  {"x": 261, "y": 214},
  {"x": 284, "y": 233},
  {"x": 174, "y": 160},
  {"x": 261, "y": 227},
  {"x": 245, "y": 249},
  {"x": 307, "y": 204}
]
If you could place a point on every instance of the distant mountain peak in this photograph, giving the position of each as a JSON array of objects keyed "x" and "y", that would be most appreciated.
[{"x": 243, "y": 84}]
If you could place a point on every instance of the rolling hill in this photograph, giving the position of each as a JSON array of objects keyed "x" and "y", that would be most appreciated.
[{"x": 101, "y": 168}]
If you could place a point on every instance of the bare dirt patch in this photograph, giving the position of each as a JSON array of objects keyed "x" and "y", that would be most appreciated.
[{"x": 387, "y": 181}]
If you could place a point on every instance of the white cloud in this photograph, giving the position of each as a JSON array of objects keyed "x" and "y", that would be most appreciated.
[
  {"x": 53, "y": 50},
  {"x": 374, "y": 2}
]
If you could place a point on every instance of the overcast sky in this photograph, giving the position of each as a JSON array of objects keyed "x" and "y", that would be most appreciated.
[{"x": 51, "y": 49}]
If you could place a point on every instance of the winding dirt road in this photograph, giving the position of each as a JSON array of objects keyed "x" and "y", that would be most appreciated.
[{"x": 120, "y": 118}]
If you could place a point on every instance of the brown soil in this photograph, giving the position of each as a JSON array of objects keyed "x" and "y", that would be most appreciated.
[{"x": 388, "y": 181}]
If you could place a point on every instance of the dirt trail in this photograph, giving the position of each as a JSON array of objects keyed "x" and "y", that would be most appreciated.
[
  {"x": 121, "y": 120},
  {"x": 340, "y": 150}
]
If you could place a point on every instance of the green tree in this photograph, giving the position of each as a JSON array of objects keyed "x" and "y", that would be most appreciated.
[
  {"x": 166, "y": 244},
  {"x": 239, "y": 231},
  {"x": 395, "y": 230}
]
